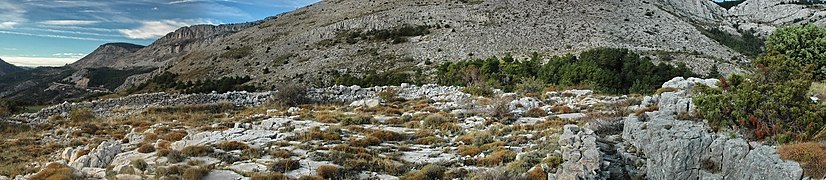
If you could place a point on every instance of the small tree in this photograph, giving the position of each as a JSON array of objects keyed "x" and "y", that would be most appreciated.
[{"x": 291, "y": 94}]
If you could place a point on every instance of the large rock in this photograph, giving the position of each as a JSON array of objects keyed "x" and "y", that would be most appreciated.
[
  {"x": 98, "y": 157},
  {"x": 580, "y": 154},
  {"x": 223, "y": 175}
]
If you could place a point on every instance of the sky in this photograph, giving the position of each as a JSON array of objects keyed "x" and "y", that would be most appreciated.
[{"x": 58, "y": 32}]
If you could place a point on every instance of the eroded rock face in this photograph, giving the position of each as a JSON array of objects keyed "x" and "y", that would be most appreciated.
[{"x": 678, "y": 149}]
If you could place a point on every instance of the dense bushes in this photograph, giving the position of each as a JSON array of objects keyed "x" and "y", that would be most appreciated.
[
  {"x": 747, "y": 43},
  {"x": 772, "y": 101},
  {"x": 8, "y": 108},
  {"x": 615, "y": 71},
  {"x": 110, "y": 78},
  {"x": 374, "y": 79},
  {"x": 168, "y": 80},
  {"x": 803, "y": 44},
  {"x": 291, "y": 94}
]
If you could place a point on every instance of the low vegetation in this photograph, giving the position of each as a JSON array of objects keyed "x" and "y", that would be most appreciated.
[
  {"x": 811, "y": 156},
  {"x": 772, "y": 102}
]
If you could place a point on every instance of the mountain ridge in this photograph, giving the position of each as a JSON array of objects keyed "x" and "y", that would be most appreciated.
[{"x": 6, "y": 68}]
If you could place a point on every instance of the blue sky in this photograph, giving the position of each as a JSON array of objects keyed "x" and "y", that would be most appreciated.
[{"x": 57, "y": 32}]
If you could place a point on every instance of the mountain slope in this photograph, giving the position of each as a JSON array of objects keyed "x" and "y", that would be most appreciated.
[
  {"x": 311, "y": 44},
  {"x": 104, "y": 55},
  {"x": 6, "y": 68}
]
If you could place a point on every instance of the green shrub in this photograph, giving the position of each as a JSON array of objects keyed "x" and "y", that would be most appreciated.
[
  {"x": 7, "y": 108},
  {"x": 771, "y": 101},
  {"x": 139, "y": 164},
  {"x": 530, "y": 85},
  {"x": 81, "y": 115},
  {"x": 430, "y": 171},
  {"x": 747, "y": 43},
  {"x": 608, "y": 70},
  {"x": 356, "y": 120},
  {"x": 236, "y": 53},
  {"x": 479, "y": 89},
  {"x": 803, "y": 44}
]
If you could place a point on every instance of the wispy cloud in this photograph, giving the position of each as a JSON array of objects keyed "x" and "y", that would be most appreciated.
[
  {"x": 69, "y": 22},
  {"x": 72, "y": 32},
  {"x": 184, "y": 1},
  {"x": 11, "y": 14},
  {"x": 56, "y": 36},
  {"x": 69, "y": 55},
  {"x": 155, "y": 29},
  {"x": 38, "y": 61}
]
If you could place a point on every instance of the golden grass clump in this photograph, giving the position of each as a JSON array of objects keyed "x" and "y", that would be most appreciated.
[
  {"x": 537, "y": 174},
  {"x": 561, "y": 109},
  {"x": 387, "y": 135},
  {"x": 465, "y": 150},
  {"x": 326, "y": 118},
  {"x": 810, "y": 155},
  {"x": 497, "y": 158},
  {"x": 54, "y": 171}
]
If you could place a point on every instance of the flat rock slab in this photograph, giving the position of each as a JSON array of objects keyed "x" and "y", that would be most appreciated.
[{"x": 224, "y": 175}]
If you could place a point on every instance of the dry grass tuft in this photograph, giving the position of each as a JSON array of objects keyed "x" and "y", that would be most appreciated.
[
  {"x": 497, "y": 158},
  {"x": 269, "y": 176},
  {"x": 280, "y": 153},
  {"x": 146, "y": 148},
  {"x": 387, "y": 135},
  {"x": 640, "y": 112},
  {"x": 197, "y": 151},
  {"x": 811, "y": 156},
  {"x": 285, "y": 165},
  {"x": 195, "y": 173},
  {"x": 469, "y": 150},
  {"x": 232, "y": 145},
  {"x": 536, "y": 112},
  {"x": 329, "y": 172},
  {"x": 561, "y": 109},
  {"x": 326, "y": 118}
]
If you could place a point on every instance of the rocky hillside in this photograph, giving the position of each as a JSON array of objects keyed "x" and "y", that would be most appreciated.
[
  {"x": 421, "y": 131},
  {"x": 332, "y": 37},
  {"x": 329, "y": 38},
  {"x": 6, "y": 68}
]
